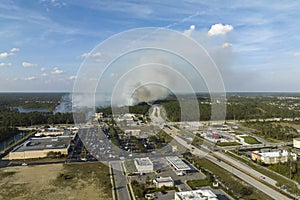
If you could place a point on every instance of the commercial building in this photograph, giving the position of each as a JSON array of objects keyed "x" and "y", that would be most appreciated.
[
  {"x": 196, "y": 195},
  {"x": 52, "y": 132},
  {"x": 143, "y": 165},
  {"x": 163, "y": 181},
  {"x": 99, "y": 115},
  {"x": 133, "y": 132},
  {"x": 296, "y": 143},
  {"x": 40, "y": 147},
  {"x": 73, "y": 130},
  {"x": 177, "y": 163},
  {"x": 192, "y": 126},
  {"x": 272, "y": 156}
]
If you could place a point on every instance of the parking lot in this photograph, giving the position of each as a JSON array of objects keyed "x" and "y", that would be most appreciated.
[
  {"x": 162, "y": 169},
  {"x": 180, "y": 181},
  {"x": 165, "y": 195}
]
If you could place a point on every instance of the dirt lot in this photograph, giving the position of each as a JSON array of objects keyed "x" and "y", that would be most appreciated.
[{"x": 57, "y": 181}]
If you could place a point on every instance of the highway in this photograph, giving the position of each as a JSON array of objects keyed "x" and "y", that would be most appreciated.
[
  {"x": 257, "y": 184},
  {"x": 246, "y": 168},
  {"x": 252, "y": 181},
  {"x": 120, "y": 181}
]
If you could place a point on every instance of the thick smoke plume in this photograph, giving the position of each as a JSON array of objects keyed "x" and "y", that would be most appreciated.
[
  {"x": 144, "y": 84},
  {"x": 65, "y": 105},
  {"x": 148, "y": 93}
]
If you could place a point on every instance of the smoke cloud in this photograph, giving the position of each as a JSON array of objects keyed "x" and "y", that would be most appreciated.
[
  {"x": 65, "y": 105},
  {"x": 148, "y": 93},
  {"x": 145, "y": 83}
]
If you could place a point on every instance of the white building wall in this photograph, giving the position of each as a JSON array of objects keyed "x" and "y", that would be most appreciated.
[{"x": 296, "y": 143}]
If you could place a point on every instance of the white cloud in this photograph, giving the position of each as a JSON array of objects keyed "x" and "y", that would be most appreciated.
[
  {"x": 5, "y": 55},
  {"x": 72, "y": 77},
  {"x": 91, "y": 55},
  {"x": 8, "y": 54},
  {"x": 13, "y": 50},
  {"x": 226, "y": 45},
  {"x": 57, "y": 3},
  {"x": 44, "y": 74},
  {"x": 28, "y": 64},
  {"x": 56, "y": 70},
  {"x": 5, "y": 64},
  {"x": 43, "y": 69},
  {"x": 297, "y": 54},
  {"x": 189, "y": 31},
  {"x": 30, "y": 78},
  {"x": 219, "y": 29}
]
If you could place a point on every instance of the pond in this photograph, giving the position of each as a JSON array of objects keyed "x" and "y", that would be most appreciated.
[
  {"x": 27, "y": 110},
  {"x": 12, "y": 140}
]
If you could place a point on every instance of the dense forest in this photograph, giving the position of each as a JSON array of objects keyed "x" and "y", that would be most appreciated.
[
  {"x": 141, "y": 108},
  {"x": 10, "y": 117},
  {"x": 237, "y": 107},
  {"x": 31, "y": 100},
  {"x": 271, "y": 130}
]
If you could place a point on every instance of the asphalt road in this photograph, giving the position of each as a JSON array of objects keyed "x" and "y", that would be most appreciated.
[
  {"x": 260, "y": 186},
  {"x": 255, "y": 183},
  {"x": 246, "y": 168},
  {"x": 120, "y": 181}
]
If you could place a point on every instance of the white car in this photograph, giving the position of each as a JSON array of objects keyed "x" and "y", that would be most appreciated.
[
  {"x": 180, "y": 174},
  {"x": 24, "y": 164}
]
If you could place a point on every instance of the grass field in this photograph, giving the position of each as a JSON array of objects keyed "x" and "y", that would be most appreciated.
[
  {"x": 280, "y": 180},
  {"x": 236, "y": 185},
  {"x": 197, "y": 141},
  {"x": 130, "y": 166},
  {"x": 250, "y": 140},
  {"x": 164, "y": 136},
  {"x": 56, "y": 181},
  {"x": 198, "y": 183}
]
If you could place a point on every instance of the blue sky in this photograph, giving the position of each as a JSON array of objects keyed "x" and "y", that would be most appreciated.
[{"x": 44, "y": 42}]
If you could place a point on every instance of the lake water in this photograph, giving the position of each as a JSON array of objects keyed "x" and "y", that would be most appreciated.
[
  {"x": 11, "y": 140},
  {"x": 27, "y": 110}
]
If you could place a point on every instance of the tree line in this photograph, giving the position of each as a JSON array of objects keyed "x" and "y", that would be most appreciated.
[
  {"x": 271, "y": 130},
  {"x": 244, "y": 110},
  {"x": 10, "y": 119}
]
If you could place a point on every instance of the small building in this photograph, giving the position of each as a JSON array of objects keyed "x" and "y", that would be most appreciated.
[
  {"x": 296, "y": 143},
  {"x": 272, "y": 156},
  {"x": 52, "y": 132},
  {"x": 73, "y": 130},
  {"x": 133, "y": 132},
  {"x": 143, "y": 165},
  {"x": 99, "y": 115},
  {"x": 163, "y": 181},
  {"x": 177, "y": 163},
  {"x": 196, "y": 195},
  {"x": 216, "y": 136},
  {"x": 192, "y": 126}
]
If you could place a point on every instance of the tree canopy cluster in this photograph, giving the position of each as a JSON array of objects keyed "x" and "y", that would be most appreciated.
[
  {"x": 271, "y": 130},
  {"x": 10, "y": 117},
  {"x": 237, "y": 107}
]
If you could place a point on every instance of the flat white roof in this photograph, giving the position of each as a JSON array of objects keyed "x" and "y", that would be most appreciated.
[
  {"x": 273, "y": 154},
  {"x": 164, "y": 179},
  {"x": 53, "y": 130},
  {"x": 196, "y": 195},
  {"x": 143, "y": 161},
  {"x": 177, "y": 163}
]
